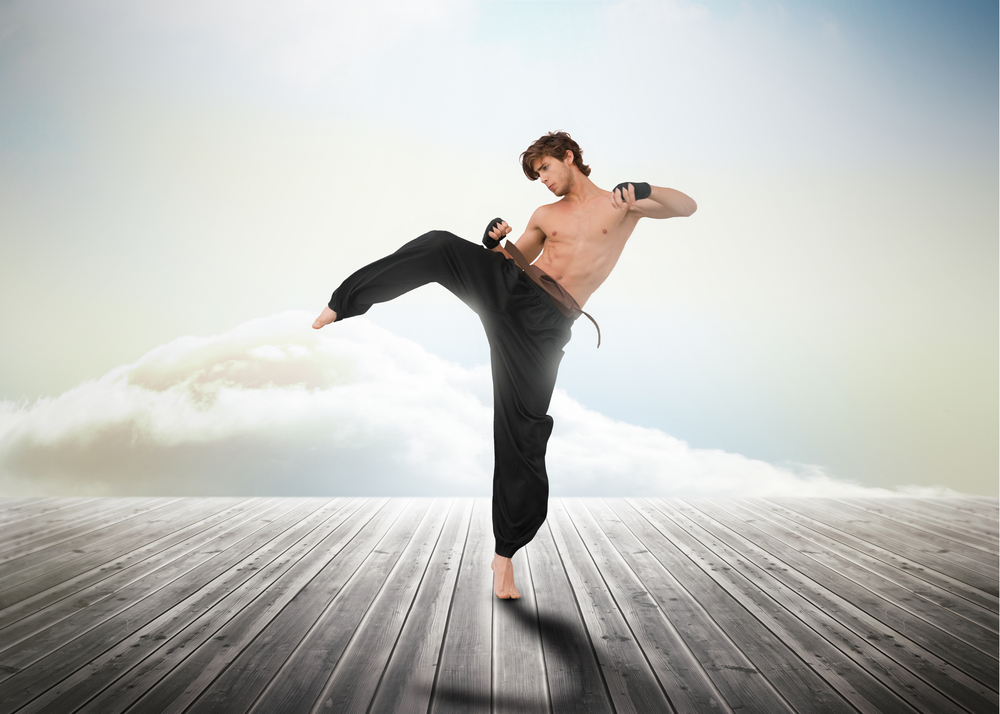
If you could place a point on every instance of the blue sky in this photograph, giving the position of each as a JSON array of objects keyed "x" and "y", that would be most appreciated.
[{"x": 185, "y": 169}]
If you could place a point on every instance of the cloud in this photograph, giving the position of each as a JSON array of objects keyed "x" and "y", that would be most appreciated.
[{"x": 275, "y": 408}]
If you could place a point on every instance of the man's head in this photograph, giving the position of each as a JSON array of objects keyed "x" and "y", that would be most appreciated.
[{"x": 554, "y": 145}]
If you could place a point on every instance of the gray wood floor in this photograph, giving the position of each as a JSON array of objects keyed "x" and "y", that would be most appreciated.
[{"x": 384, "y": 605}]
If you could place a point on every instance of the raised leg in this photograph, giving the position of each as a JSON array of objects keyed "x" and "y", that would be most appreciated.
[
  {"x": 325, "y": 318},
  {"x": 464, "y": 268}
]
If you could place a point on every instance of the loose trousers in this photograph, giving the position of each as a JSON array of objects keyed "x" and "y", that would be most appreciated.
[{"x": 526, "y": 333}]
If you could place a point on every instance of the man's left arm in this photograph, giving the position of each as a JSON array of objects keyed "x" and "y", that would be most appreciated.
[{"x": 652, "y": 201}]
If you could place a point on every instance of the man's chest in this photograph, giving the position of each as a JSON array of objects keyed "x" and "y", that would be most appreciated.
[
  {"x": 597, "y": 223},
  {"x": 580, "y": 222}
]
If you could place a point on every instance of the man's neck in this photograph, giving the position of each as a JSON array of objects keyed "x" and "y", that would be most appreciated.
[{"x": 582, "y": 189}]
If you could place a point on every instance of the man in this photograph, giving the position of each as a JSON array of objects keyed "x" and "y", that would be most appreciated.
[{"x": 527, "y": 297}]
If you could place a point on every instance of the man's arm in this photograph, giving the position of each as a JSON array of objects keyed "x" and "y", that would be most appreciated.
[
  {"x": 532, "y": 240},
  {"x": 661, "y": 203}
]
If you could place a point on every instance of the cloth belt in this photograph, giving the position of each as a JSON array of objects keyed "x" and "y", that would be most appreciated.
[{"x": 565, "y": 302}]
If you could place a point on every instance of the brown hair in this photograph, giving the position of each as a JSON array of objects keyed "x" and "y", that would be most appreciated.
[{"x": 554, "y": 144}]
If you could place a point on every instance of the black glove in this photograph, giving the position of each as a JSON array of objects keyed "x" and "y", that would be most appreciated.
[
  {"x": 642, "y": 190},
  {"x": 489, "y": 242}
]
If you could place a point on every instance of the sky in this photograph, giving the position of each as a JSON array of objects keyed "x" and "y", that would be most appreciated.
[{"x": 182, "y": 186}]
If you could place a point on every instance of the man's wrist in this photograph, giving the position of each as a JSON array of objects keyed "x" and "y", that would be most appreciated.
[
  {"x": 489, "y": 241},
  {"x": 642, "y": 190}
]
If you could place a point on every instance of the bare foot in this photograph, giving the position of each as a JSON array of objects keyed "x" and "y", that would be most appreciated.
[
  {"x": 503, "y": 578},
  {"x": 325, "y": 318}
]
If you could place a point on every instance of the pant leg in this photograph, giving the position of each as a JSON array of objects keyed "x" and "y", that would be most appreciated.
[
  {"x": 526, "y": 341},
  {"x": 526, "y": 333},
  {"x": 466, "y": 269}
]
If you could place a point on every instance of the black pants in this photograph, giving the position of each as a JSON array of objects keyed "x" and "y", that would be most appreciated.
[{"x": 526, "y": 333}]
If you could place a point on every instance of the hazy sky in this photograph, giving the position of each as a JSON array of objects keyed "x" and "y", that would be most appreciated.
[{"x": 829, "y": 315}]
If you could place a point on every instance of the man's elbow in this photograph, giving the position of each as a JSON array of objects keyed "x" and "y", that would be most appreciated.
[{"x": 686, "y": 207}]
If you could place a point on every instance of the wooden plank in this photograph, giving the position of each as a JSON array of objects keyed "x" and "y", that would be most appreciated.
[
  {"x": 975, "y": 542},
  {"x": 687, "y": 684},
  {"x": 15, "y": 509},
  {"x": 956, "y": 521},
  {"x": 262, "y": 645},
  {"x": 167, "y": 541},
  {"x": 950, "y": 506},
  {"x": 988, "y": 508},
  {"x": 877, "y": 685},
  {"x": 61, "y": 542},
  {"x": 408, "y": 680},
  {"x": 13, "y": 506},
  {"x": 53, "y": 520},
  {"x": 804, "y": 511},
  {"x": 188, "y": 661},
  {"x": 357, "y": 675},
  {"x": 816, "y": 677},
  {"x": 575, "y": 682},
  {"x": 829, "y": 539},
  {"x": 352, "y": 685},
  {"x": 790, "y": 545},
  {"x": 156, "y": 649},
  {"x": 42, "y": 576},
  {"x": 105, "y": 538},
  {"x": 941, "y": 540},
  {"x": 854, "y": 633},
  {"x": 216, "y": 635},
  {"x": 519, "y": 683},
  {"x": 737, "y": 680},
  {"x": 36, "y": 539},
  {"x": 40, "y": 507},
  {"x": 299, "y": 682},
  {"x": 465, "y": 673},
  {"x": 724, "y": 598},
  {"x": 631, "y": 683},
  {"x": 862, "y": 527},
  {"x": 59, "y": 651},
  {"x": 32, "y": 541}
]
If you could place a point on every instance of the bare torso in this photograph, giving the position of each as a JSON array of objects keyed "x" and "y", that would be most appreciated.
[
  {"x": 583, "y": 242},
  {"x": 578, "y": 239}
]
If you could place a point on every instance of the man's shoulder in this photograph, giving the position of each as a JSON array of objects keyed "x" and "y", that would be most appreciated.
[{"x": 554, "y": 207}]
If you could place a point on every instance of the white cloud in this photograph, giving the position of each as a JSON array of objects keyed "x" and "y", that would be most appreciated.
[{"x": 273, "y": 407}]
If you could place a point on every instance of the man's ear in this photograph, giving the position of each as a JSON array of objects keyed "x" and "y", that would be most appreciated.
[{"x": 568, "y": 157}]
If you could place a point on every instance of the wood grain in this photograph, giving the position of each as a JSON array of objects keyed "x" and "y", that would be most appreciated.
[{"x": 234, "y": 605}]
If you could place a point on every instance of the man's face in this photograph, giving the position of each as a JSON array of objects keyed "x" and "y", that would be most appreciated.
[{"x": 556, "y": 174}]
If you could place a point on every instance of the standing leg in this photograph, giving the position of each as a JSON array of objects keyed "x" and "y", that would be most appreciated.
[{"x": 526, "y": 342}]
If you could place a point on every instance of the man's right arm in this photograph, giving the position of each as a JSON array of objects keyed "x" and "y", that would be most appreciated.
[{"x": 532, "y": 240}]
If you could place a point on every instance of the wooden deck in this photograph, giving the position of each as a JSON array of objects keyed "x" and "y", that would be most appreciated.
[{"x": 384, "y": 605}]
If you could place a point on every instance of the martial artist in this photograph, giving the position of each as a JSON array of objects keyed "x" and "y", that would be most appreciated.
[{"x": 527, "y": 296}]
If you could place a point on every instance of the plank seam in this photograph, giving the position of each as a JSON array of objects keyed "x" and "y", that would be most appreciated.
[
  {"x": 291, "y": 655},
  {"x": 402, "y": 626},
  {"x": 817, "y": 540},
  {"x": 882, "y": 548},
  {"x": 447, "y": 621},
  {"x": 806, "y": 664},
  {"x": 615, "y": 601},
  {"x": 702, "y": 608},
  {"x": 583, "y": 619},
  {"x": 834, "y": 595}
]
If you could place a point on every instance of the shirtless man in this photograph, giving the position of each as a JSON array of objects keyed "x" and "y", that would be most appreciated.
[{"x": 572, "y": 246}]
